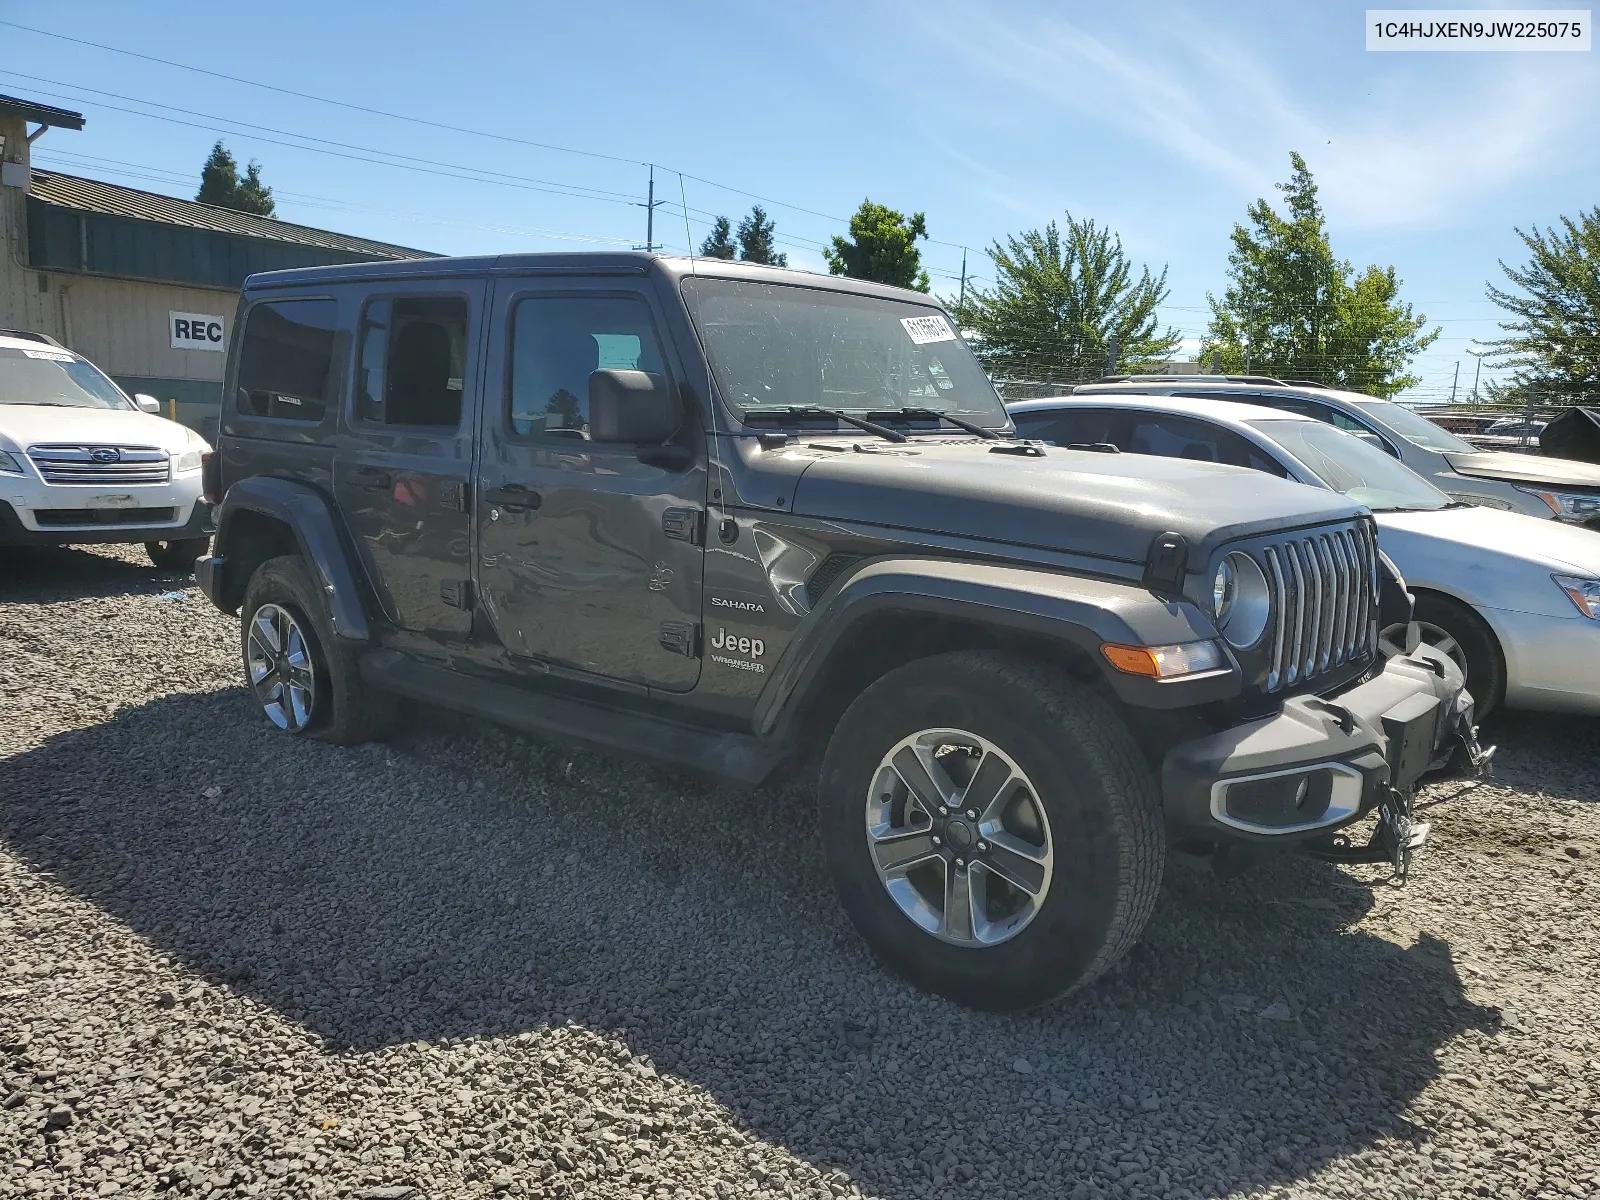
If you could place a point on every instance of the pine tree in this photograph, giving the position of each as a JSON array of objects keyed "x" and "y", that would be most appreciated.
[
  {"x": 220, "y": 185},
  {"x": 720, "y": 243},
  {"x": 1294, "y": 310},
  {"x": 882, "y": 247},
  {"x": 253, "y": 196},
  {"x": 1554, "y": 340},
  {"x": 755, "y": 236},
  {"x": 1061, "y": 298},
  {"x": 219, "y": 178}
]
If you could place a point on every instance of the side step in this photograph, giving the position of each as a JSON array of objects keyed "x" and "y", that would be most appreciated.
[{"x": 734, "y": 757}]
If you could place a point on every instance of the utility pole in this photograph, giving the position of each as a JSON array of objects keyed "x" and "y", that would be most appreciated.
[
  {"x": 1116, "y": 353},
  {"x": 650, "y": 216},
  {"x": 1455, "y": 381},
  {"x": 963, "y": 299},
  {"x": 1476, "y": 371}
]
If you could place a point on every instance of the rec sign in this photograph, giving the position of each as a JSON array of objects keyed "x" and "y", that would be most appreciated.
[{"x": 196, "y": 331}]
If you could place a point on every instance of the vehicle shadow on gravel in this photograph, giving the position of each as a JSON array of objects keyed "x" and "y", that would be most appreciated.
[
  {"x": 51, "y": 574},
  {"x": 463, "y": 881}
]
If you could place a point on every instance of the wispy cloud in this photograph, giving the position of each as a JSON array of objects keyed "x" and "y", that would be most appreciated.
[{"x": 1394, "y": 149}]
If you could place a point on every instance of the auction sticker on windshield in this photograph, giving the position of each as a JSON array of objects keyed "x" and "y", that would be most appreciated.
[{"x": 923, "y": 330}]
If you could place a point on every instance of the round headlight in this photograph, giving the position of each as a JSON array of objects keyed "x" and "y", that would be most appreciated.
[
  {"x": 1241, "y": 600},
  {"x": 1222, "y": 589}
]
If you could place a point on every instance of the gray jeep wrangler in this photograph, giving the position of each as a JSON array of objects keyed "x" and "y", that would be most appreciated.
[{"x": 754, "y": 522}]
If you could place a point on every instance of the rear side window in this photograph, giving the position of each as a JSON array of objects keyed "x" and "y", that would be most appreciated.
[
  {"x": 558, "y": 342},
  {"x": 286, "y": 360},
  {"x": 1199, "y": 441},
  {"x": 1070, "y": 426},
  {"x": 413, "y": 360}
]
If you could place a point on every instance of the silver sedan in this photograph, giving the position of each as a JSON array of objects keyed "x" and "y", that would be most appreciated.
[{"x": 1513, "y": 599}]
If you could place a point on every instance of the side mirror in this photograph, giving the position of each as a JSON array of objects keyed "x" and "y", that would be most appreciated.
[
  {"x": 147, "y": 403},
  {"x": 635, "y": 408}
]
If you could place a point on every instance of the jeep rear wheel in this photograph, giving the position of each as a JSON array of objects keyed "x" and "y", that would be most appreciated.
[
  {"x": 991, "y": 828},
  {"x": 304, "y": 680}
]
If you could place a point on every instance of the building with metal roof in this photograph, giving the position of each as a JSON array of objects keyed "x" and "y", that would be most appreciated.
[{"x": 144, "y": 285}]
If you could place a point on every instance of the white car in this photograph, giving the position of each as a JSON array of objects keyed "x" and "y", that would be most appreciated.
[
  {"x": 81, "y": 462},
  {"x": 1513, "y": 599}
]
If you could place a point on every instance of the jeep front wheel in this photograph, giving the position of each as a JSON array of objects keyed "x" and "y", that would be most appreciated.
[{"x": 991, "y": 828}]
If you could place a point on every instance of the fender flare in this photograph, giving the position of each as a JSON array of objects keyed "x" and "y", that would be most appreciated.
[
  {"x": 309, "y": 516},
  {"x": 1086, "y": 612}
]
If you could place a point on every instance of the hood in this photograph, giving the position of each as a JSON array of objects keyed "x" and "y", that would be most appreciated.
[
  {"x": 1492, "y": 538},
  {"x": 25, "y": 425},
  {"x": 1076, "y": 501},
  {"x": 1526, "y": 468},
  {"x": 1496, "y": 561}
]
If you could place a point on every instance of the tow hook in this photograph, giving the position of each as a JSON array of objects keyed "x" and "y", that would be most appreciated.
[{"x": 1396, "y": 840}]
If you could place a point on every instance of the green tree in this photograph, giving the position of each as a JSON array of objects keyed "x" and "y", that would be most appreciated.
[
  {"x": 882, "y": 247},
  {"x": 720, "y": 242},
  {"x": 220, "y": 184},
  {"x": 1553, "y": 340},
  {"x": 756, "y": 233},
  {"x": 1294, "y": 310},
  {"x": 1060, "y": 299}
]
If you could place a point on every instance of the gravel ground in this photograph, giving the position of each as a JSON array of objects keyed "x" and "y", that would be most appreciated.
[{"x": 464, "y": 963}]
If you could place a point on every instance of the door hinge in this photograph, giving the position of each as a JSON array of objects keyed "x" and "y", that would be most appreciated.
[
  {"x": 457, "y": 593},
  {"x": 453, "y": 495},
  {"x": 685, "y": 525},
  {"x": 681, "y": 637}
]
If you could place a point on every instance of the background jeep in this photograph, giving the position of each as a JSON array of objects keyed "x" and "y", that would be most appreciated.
[{"x": 728, "y": 516}]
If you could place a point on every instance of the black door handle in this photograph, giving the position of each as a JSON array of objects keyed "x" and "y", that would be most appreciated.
[
  {"x": 375, "y": 479},
  {"x": 514, "y": 497}
]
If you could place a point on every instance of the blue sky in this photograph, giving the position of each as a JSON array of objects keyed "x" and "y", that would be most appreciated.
[{"x": 1164, "y": 121}]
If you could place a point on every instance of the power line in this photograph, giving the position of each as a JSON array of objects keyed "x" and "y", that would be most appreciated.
[
  {"x": 379, "y": 112},
  {"x": 283, "y": 91},
  {"x": 141, "y": 171},
  {"x": 576, "y": 190}
]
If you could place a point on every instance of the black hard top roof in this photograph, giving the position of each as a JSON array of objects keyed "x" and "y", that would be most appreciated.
[{"x": 624, "y": 262}]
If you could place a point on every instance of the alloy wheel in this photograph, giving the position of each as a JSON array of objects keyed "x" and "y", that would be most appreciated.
[
  {"x": 959, "y": 837},
  {"x": 1393, "y": 640},
  {"x": 281, "y": 669}
]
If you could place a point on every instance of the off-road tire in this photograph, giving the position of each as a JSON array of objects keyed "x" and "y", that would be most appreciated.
[
  {"x": 346, "y": 711},
  {"x": 1486, "y": 665},
  {"x": 177, "y": 555},
  {"x": 1102, "y": 802}
]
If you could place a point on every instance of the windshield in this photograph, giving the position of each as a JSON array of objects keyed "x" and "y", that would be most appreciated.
[
  {"x": 1417, "y": 430},
  {"x": 774, "y": 347},
  {"x": 1358, "y": 469},
  {"x": 54, "y": 377}
]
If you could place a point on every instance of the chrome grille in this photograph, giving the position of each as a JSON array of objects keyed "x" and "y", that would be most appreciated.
[
  {"x": 1324, "y": 603},
  {"x": 93, "y": 464}
]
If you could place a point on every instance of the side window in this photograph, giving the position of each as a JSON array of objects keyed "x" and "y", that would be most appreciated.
[
  {"x": 413, "y": 359},
  {"x": 1069, "y": 426},
  {"x": 286, "y": 360},
  {"x": 1200, "y": 441},
  {"x": 557, "y": 342}
]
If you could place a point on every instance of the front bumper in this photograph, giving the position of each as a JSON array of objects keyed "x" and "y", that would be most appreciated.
[
  {"x": 1550, "y": 661},
  {"x": 1322, "y": 762},
  {"x": 189, "y": 519}
]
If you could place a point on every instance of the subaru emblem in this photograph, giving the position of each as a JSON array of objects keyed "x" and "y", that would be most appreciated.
[{"x": 106, "y": 454}]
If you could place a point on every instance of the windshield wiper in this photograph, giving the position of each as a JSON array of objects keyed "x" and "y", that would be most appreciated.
[
  {"x": 795, "y": 411},
  {"x": 970, "y": 427}
]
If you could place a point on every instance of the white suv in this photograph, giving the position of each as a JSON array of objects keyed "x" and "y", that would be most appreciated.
[{"x": 81, "y": 462}]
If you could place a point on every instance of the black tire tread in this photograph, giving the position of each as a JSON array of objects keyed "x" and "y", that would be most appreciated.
[
  {"x": 1120, "y": 774},
  {"x": 1446, "y": 611},
  {"x": 1120, "y": 771}
]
